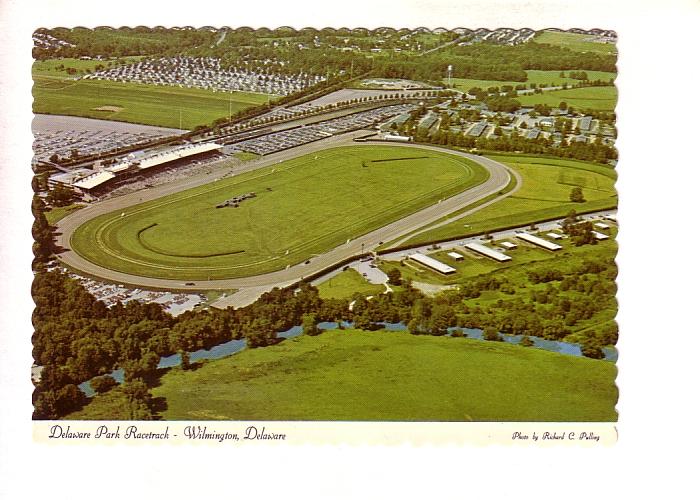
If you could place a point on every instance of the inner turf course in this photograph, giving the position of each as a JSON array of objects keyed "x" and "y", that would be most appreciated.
[{"x": 303, "y": 207}]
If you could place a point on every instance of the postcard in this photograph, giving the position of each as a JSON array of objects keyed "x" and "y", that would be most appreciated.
[
  {"x": 351, "y": 225},
  {"x": 251, "y": 237}
]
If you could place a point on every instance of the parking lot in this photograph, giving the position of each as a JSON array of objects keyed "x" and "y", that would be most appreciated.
[{"x": 286, "y": 139}]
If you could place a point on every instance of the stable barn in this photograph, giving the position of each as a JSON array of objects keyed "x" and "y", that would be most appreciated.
[
  {"x": 433, "y": 264},
  {"x": 456, "y": 256},
  {"x": 487, "y": 251},
  {"x": 540, "y": 242}
]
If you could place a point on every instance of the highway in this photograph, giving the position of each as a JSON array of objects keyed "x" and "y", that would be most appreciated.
[{"x": 249, "y": 288}]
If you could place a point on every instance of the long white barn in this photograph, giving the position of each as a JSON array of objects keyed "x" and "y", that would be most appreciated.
[
  {"x": 487, "y": 251},
  {"x": 432, "y": 263},
  {"x": 540, "y": 242}
]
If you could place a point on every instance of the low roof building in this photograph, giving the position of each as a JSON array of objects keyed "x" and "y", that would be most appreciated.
[
  {"x": 540, "y": 242},
  {"x": 487, "y": 251},
  {"x": 434, "y": 264},
  {"x": 456, "y": 256}
]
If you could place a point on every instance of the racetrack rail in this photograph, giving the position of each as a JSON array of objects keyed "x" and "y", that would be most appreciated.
[{"x": 499, "y": 178}]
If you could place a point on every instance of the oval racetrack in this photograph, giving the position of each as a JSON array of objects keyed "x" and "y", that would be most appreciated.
[{"x": 499, "y": 178}]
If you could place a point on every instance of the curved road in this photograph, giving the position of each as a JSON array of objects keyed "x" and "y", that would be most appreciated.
[{"x": 255, "y": 285}]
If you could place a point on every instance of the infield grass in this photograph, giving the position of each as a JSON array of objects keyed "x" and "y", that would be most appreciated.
[
  {"x": 358, "y": 375},
  {"x": 302, "y": 207}
]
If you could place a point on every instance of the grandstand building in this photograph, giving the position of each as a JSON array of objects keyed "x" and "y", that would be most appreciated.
[{"x": 92, "y": 181}]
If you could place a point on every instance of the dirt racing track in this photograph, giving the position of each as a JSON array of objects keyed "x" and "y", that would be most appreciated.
[{"x": 251, "y": 287}]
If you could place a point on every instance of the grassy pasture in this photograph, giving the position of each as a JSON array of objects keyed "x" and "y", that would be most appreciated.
[
  {"x": 533, "y": 76},
  {"x": 544, "y": 194},
  {"x": 52, "y": 67},
  {"x": 582, "y": 99},
  {"x": 575, "y": 41},
  {"x": 137, "y": 103},
  {"x": 357, "y": 375},
  {"x": 303, "y": 207}
]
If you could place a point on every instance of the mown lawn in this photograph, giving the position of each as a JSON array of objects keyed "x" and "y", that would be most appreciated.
[
  {"x": 164, "y": 106},
  {"x": 575, "y": 41},
  {"x": 547, "y": 185},
  {"x": 346, "y": 284},
  {"x": 582, "y": 99},
  {"x": 357, "y": 375},
  {"x": 548, "y": 77},
  {"x": 56, "y": 214}
]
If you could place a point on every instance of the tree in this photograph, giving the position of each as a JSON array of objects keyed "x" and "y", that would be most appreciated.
[
  {"x": 526, "y": 341},
  {"x": 60, "y": 196},
  {"x": 591, "y": 349},
  {"x": 394, "y": 277},
  {"x": 362, "y": 322},
  {"x": 563, "y": 105},
  {"x": 260, "y": 333},
  {"x": 577, "y": 195},
  {"x": 185, "y": 357},
  {"x": 309, "y": 326},
  {"x": 491, "y": 334},
  {"x": 103, "y": 383}
]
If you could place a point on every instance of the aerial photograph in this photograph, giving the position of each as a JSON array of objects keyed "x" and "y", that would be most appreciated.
[{"x": 337, "y": 224}]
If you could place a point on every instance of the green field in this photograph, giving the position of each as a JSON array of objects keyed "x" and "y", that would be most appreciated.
[
  {"x": 356, "y": 375},
  {"x": 544, "y": 194},
  {"x": 575, "y": 41},
  {"x": 52, "y": 67},
  {"x": 137, "y": 103},
  {"x": 582, "y": 99},
  {"x": 347, "y": 283},
  {"x": 56, "y": 214},
  {"x": 533, "y": 76},
  {"x": 56, "y": 93},
  {"x": 303, "y": 207}
]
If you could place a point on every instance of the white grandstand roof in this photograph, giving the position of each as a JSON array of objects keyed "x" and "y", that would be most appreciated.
[
  {"x": 70, "y": 177},
  {"x": 455, "y": 255},
  {"x": 601, "y": 225},
  {"x": 599, "y": 236},
  {"x": 432, "y": 263},
  {"x": 555, "y": 236},
  {"x": 541, "y": 242},
  {"x": 487, "y": 251},
  {"x": 509, "y": 245},
  {"x": 177, "y": 153},
  {"x": 94, "y": 180},
  {"x": 119, "y": 167}
]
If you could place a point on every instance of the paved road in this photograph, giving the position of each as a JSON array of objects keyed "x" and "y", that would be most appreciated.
[{"x": 498, "y": 179}]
